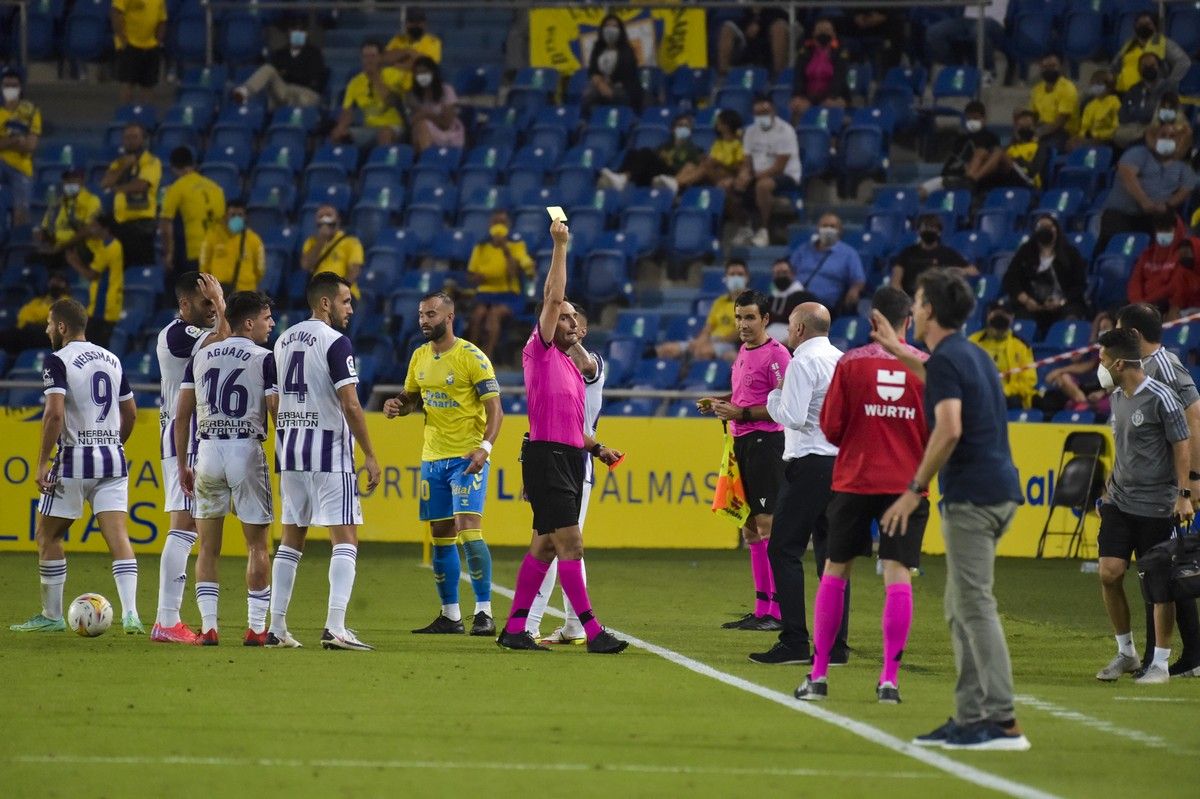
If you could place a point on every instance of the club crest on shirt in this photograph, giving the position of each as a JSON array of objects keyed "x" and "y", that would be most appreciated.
[
  {"x": 47, "y": 378},
  {"x": 889, "y": 384},
  {"x": 449, "y": 380},
  {"x": 1137, "y": 418}
]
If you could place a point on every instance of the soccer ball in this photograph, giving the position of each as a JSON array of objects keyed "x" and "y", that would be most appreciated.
[{"x": 89, "y": 615}]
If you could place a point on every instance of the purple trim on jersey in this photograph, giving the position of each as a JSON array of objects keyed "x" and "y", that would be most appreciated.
[
  {"x": 289, "y": 449},
  {"x": 68, "y": 462},
  {"x": 327, "y": 450},
  {"x": 126, "y": 392},
  {"x": 189, "y": 376},
  {"x": 340, "y": 358},
  {"x": 89, "y": 466},
  {"x": 54, "y": 375},
  {"x": 269, "y": 375},
  {"x": 180, "y": 341},
  {"x": 106, "y": 460}
]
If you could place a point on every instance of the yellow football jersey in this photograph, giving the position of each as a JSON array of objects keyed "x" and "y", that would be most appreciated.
[{"x": 453, "y": 386}]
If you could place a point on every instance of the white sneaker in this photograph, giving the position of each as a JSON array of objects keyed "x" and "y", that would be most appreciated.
[
  {"x": 346, "y": 640},
  {"x": 742, "y": 236},
  {"x": 563, "y": 636},
  {"x": 761, "y": 238},
  {"x": 612, "y": 180},
  {"x": 666, "y": 182},
  {"x": 1121, "y": 664},
  {"x": 285, "y": 641},
  {"x": 1157, "y": 674}
]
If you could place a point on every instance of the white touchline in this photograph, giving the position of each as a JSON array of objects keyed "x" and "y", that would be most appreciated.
[
  {"x": 1091, "y": 722},
  {"x": 1152, "y": 699},
  {"x": 862, "y": 730}
]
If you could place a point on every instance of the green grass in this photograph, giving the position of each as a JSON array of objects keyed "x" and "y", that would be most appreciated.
[{"x": 420, "y": 715}]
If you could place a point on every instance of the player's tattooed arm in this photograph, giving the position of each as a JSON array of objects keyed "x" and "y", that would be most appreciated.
[
  {"x": 403, "y": 404},
  {"x": 583, "y": 361},
  {"x": 491, "y": 431}
]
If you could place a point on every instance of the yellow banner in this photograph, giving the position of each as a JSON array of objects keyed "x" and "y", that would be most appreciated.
[
  {"x": 660, "y": 497},
  {"x": 665, "y": 37}
]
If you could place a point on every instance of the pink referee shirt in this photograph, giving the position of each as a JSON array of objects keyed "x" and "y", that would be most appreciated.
[
  {"x": 756, "y": 373},
  {"x": 554, "y": 393}
]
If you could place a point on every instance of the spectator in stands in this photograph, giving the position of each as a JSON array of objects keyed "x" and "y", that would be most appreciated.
[
  {"x": 1151, "y": 179},
  {"x": 105, "y": 274},
  {"x": 331, "y": 249},
  {"x": 719, "y": 336},
  {"x": 1055, "y": 100},
  {"x": 1009, "y": 352},
  {"x": 1025, "y": 158},
  {"x": 724, "y": 158},
  {"x": 1075, "y": 386},
  {"x": 496, "y": 267},
  {"x": 134, "y": 177},
  {"x": 1165, "y": 274},
  {"x": 975, "y": 156},
  {"x": 758, "y": 39},
  {"x": 772, "y": 164},
  {"x": 1101, "y": 113},
  {"x": 404, "y": 49},
  {"x": 644, "y": 166},
  {"x": 199, "y": 205},
  {"x": 613, "y": 68},
  {"x": 1128, "y": 65},
  {"x": 1170, "y": 112},
  {"x": 1047, "y": 278},
  {"x": 952, "y": 41},
  {"x": 30, "y": 330},
  {"x": 1142, "y": 100},
  {"x": 233, "y": 253},
  {"x": 820, "y": 72},
  {"x": 928, "y": 253},
  {"x": 20, "y": 127},
  {"x": 64, "y": 227},
  {"x": 139, "y": 31},
  {"x": 830, "y": 268},
  {"x": 376, "y": 92},
  {"x": 786, "y": 293},
  {"x": 293, "y": 76},
  {"x": 878, "y": 32},
  {"x": 433, "y": 108}
]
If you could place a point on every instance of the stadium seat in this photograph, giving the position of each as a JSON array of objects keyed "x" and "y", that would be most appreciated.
[
  {"x": 396, "y": 156},
  {"x": 914, "y": 78},
  {"x": 684, "y": 409},
  {"x": 692, "y": 236},
  {"x": 1127, "y": 245},
  {"x": 707, "y": 376},
  {"x": 689, "y": 85},
  {"x": 1024, "y": 415},
  {"x": 334, "y": 194},
  {"x": 649, "y": 137},
  {"x": 819, "y": 116},
  {"x": 240, "y": 38},
  {"x": 473, "y": 80},
  {"x": 1066, "y": 334},
  {"x": 1082, "y": 33},
  {"x": 574, "y": 185},
  {"x": 635, "y": 406},
  {"x": 735, "y": 99},
  {"x": 1064, "y": 204},
  {"x": 335, "y": 154},
  {"x": 225, "y": 174},
  {"x": 637, "y": 324},
  {"x": 443, "y": 197},
  {"x": 1031, "y": 34},
  {"x": 816, "y": 150},
  {"x": 705, "y": 199},
  {"x": 1074, "y": 417},
  {"x": 645, "y": 226},
  {"x": 854, "y": 330},
  {"x": 606, "y": 276},
  {"x": 1086, "y": 168},
  {"x": 956, "y": 202},
  {"x": 376, "y": 180},
  {"x": 88, "y": 35},
  {"x": 251, "y": 115},
  {"x": 444, "y": 159},
  {"x": 187, "y": 36},
  {"x": 655, "y": 373}
]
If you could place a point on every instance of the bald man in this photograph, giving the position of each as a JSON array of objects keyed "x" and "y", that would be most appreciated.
[{"x": 808, "y": 476}]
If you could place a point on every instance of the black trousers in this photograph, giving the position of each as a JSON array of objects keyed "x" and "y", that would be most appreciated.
[
  {"x": 1187, "y": 625},
  {"x": 800, "y": 518}
]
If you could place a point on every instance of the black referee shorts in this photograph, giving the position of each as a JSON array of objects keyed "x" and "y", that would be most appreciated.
[
  {"x": 553, "y": 476},
  {"x": 137, "y": 66},
  {"x": 1123, "y": 534},
  {"x": 760, "y": 461},
  {"x": 850, "y": 517}
]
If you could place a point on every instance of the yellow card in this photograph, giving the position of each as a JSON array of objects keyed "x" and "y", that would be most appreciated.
[{"x": 557, "y": 214}]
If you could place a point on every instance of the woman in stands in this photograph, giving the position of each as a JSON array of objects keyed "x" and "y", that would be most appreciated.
[
  {"x": 1047, "y": 277},
  {"x": 821, "y": 72},
  {"x": 1075, "y": 386},
  {"x": 432, "y": 108},
  {"x": 613, "y": 68}
]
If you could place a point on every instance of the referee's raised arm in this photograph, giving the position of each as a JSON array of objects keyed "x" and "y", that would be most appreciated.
[{"x": 554, "y": 295}]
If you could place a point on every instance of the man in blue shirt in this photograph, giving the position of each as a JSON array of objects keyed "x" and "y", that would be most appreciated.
[
  {"x": 968, "y": 450},
  {"x": 830, "y": 268}
]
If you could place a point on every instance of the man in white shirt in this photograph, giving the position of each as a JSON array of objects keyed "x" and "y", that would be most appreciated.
[
  {"x": 772, "y": 164},
  {"x": 808, "y": 480},
  {"x": 955, "y": 35}
]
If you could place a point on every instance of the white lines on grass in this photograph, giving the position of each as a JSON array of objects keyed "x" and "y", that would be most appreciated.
[
  {"x": 865, "y": 731},
  {"x": 1152, "y": 699},
  {"x": 1100, "y": 725},
  {"x": 446, "y": 765}
]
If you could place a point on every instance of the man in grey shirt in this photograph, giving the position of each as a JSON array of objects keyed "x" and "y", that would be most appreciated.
[
  {"x": 1146, "y": 493},
  {"x": 1151, "y": 179}
]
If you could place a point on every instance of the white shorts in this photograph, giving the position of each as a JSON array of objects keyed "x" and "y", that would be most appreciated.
[
  {"x": 173, "y": 497},
  {"x": 102, "y": 493},
  {"x": 324, "y": 499},
  {"x": 233, "y": 470}
]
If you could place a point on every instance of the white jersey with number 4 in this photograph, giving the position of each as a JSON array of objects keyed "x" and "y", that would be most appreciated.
[{"x": 232, "y": 380}]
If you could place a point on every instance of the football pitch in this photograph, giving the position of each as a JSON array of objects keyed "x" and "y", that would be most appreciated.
[{"x": 682, "y": 712}]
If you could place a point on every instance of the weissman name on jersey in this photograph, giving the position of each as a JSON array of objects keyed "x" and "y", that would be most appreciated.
[{"x": 94, "y": 384}]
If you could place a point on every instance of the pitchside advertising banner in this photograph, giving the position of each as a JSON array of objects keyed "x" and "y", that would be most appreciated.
[
  {"x": 659, "y": 497},
  {"x": 563, "y": 38}
]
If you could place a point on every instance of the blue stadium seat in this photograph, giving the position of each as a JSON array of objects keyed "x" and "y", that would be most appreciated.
[
  {"x": 645, "y": 225},
  {"x": 691, "y": 235},
  {"x": 635, "y": 406},
  {"x": 382, "y": 270},
  {"x": 396, "y": 156},
  {"x": 1067, "y": 334},
  {"x": 171, "y": 136},
  {"x": 819, "y": 116},
  {"x": 956, "y": 202},
  {"x": 475, "y": 80},
  {"x": 144, "y": 115},
  {"x": 576, "y": 86},
  {"x": 1085, "y": 242},
  {"x": 488, "y": 157},
  {"x": 212, "y": 77},
  {"x": 423, "y": 223},
  {"x": 735, "y": 99},
  {"x": 335, "y": 194},
  {"x": 604, "y": 142},
  {"x": 443, "y": 197},
  {"x": 617, "y": 117},
  {"x": 649, "y": 137},
  {"x": 251, "y": 115},
  {"x": 225, "y": 174},
  {"x": 684, "y": 409},
  {"x": 706, "y": 199},
  {"x": 318, "y": 177},
  {"x": 816, "y": 150},
  {"x": 340, "y": 155},
  {"x": 1082, "y": 33},
  {"x": 606, "y": 276},
  {"x": 187, "y": 35},
  {"x": 853, "y": 330},
  {"x": 1031, "y": 34},
  {"x": 286, "y": 156},
  {"x": 864, "y": 151},
  {"x": 902, "y": 200},
  {"x": 445, "y": 159},
  {"x": 1074, "y": 417},
  {"x": 1065, "y": 204},
  {"x": 1024, "y": 415},
  {"x": 656, "y": 373},
  {"x": 88, "y": 35},
  {"x": 1086, "y": 168},
  {"x": 914, "y": 78},
  {"x": 956, "y": 82},
  {"x": 141, "y": 368},
  {"x": 707, "y": 376},
  {"x": 689, "y": 85},
  {"x": 236, "y": 155},
  {"x": 144, "y": 277},
  {"x": 487, "y": 199},
  {"x": 305, "y": 118},
  {"x": 661, "y": 200},
  {"x": 240, "y": 38},
  {"x": 574, "y": 185},
  {"x": 637, "y": 324},
  {"x": 1127, "y": 245}
]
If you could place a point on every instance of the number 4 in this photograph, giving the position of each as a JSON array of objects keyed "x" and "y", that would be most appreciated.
[{"x": 293, "y": 379}]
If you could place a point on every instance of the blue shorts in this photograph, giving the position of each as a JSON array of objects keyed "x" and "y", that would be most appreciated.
[{"x": 447, "y": 489}]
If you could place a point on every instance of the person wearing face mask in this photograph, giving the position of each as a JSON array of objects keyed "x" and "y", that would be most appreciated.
[
  {"x": 294, "y": 75},
  {"x": 105, "y": 275},
  {"x": 331, "y": 249},
  {"x": 134, "y": 177},
  {"x": 1151, "y": 179},
  {"x": 718, "y": 339},
  {"x": 1024, "y": 158},
  {"x": 975, "y": 155},
  {"x": 772, "y": 164},
  {"x": 754, "y": 38},
  {"x": 1008, "y": 352},
  {"x": 613, "y": 68},
  {"x": 1075, "y": 386},
  {"x": 30, "y": 330},
  {"x": 1101, "y": 113},
  {"x": 497, "y": 266},
  {"x": 1165, "y": 274},
  {"x": 192, "y": 205},
  {"x": 830, "y": 268},
  {"x": 233, "y": 253},
  {"x": 722, "y": 163},
  {"x": 1127, "y": 64},
  {"x": 646, "y": 167},
  {"x": 1055, "y": 100},
  {"x": 928, "y": 253},
  {"x": 1170, "y": 113},
  {"x": 820, "y": 74},
  {"x": 405, "y": 48},
  {"x": 787, "y": 293},
  {"x": 64, "y": 227},
  {"x": 20, "y": 128},
  {"x": 1141, "y": 101},
  {"x": 376, "y": 93},
  {"x": 433, "y": 108},
  {"x": 1047, "y": 278},
  {"x": 139, "y": 33}
]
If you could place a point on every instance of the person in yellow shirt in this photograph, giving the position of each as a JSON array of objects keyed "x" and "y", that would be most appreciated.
[
  {"x": 105, "y": 274},
  {"x": 139, "y": 30},
  {"x": 134, "y": 178},
  {"x": 1055, "y": 100},
  {"x": 719, "y": 336},
  {"x": 376, "y": 93},
  {"x": 404, "y": 49},
  {"x": 1008, "y": 352},
  {"x": 20, "y": 127},
  {"x": 1126, "y": 64},
  {"x": 1100, "y": 114},
  {"x": 332, "y": 249},
  {"x": 198, "y": 202},
  {"x": 64, "y": 226},
  {"x": 723, "y": 160},
  {"x": 30, "y": 331},
  {"x": 496, "y": 267},
  {"x": 233, "y": 253}
]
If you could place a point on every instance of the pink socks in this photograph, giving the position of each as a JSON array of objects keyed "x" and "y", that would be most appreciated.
[
  {"x": 764, "y": 581},
  {"x": 529, "y": 580},
  {"x": 897, "y": 620},
  {"x": 570, "y": 574},
  {"x": 827, "y": 620}
]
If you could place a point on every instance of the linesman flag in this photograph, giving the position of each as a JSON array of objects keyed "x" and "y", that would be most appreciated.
[{"x": 730, "y": 497}]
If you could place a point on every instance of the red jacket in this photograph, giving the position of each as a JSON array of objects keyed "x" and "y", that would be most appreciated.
[
  {"x": 1159, "y": 277},
  {"x": 874, "y": 414}
]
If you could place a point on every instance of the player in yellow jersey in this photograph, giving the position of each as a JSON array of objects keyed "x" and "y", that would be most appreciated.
[{"x": 453, "y": 381}]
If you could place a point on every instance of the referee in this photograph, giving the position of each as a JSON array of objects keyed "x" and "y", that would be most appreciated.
[
  {"x": 552, "y": 466},
  {"x": 968, "y": 451}
]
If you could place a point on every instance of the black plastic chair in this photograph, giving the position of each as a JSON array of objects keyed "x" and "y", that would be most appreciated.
[{"x": 1079, "y": 484}]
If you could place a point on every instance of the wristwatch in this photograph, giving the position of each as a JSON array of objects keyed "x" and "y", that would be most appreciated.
[
  {"x": 595, "y": 450},
  {"x": 916, "y": 488},
  {"x": 746, "y": 415},
  {"x": 1186, "y": 493}
]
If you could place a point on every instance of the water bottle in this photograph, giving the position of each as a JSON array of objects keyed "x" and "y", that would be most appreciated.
[
  {"x": 189, "y": 115},
  {"x": 710, "y": 374},
  {"x": 704, "y": 199},
  {"x": 823, "y": 118},
  {"x": 639, "y": 327},
  {"x": 538, "y": 79},
  {"x": 493, "y": 197},
  {"x": 273, "y": 199},
  {"x": 1089, "y": 160},
  {"x": 1063, "y": 199},
  {"x": 587, "y": 158},
  {"x": 747, "y": 80},
  {"x": 1128, "y": 248},
  {"x": 490, "y": 160},
  {"x": 68, "y": 155},
  {"x": 598, "y": 200},
  {"x": 948, "y": 202},
  {"x": 385, "y": 197},
  {"x": 296, "y": 117},
  {"x": 393, "y": 155},
  {"x": 613, "y": 117},
  {"x": 959, "y": 79},
  {"x": 282, "y": 158}
]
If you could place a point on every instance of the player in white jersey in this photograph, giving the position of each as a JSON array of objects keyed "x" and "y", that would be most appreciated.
[
  {"x": 591, "y": 366},
  {"x": 230, "y": 388},
  {"x": 201, "y": 321},
  {"x": 318, "y": 421},
  {"x": 89, "y": 415}
]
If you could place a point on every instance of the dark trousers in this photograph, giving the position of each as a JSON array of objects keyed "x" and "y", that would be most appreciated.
[
  {"x": 799, "y": 518},
  {"x": 1187, "y": 622}
]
